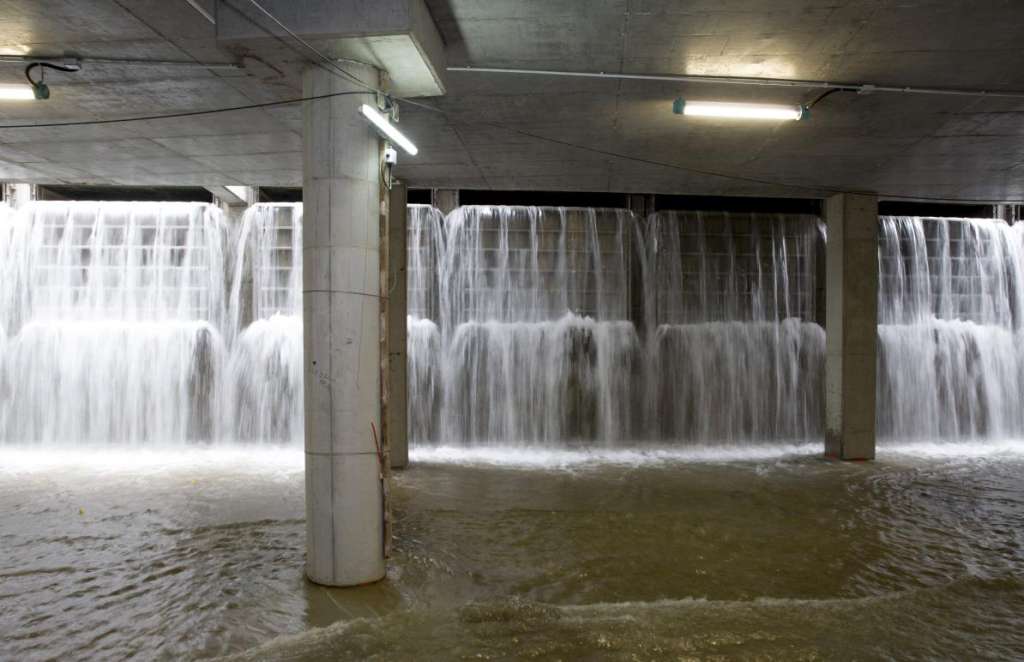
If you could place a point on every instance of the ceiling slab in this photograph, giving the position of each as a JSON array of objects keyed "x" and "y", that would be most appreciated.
[{"x": 508, "y": 132}]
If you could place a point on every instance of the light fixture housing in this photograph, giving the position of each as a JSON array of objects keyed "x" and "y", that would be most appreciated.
[
  {"x": 387, "y": 129},
  {"x": 17, "y": 92},
  {"x": 747, "y": 111}
]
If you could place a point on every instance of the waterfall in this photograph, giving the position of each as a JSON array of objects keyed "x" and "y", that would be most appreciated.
[
  {"x": 264, "y": 372},
  {"x": 531, "y": 339},
  {"x": 734, "y": 353},
  {"x": 425, "y": 246},
  {"x": 112, "y": 315},
  {"x": 145, "y": 323},
  {"x": 950, "y": 309},
  {"x": 555, "y": 326}
]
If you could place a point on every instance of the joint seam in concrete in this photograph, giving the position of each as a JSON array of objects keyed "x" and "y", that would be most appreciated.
[
  {"x": 327, "y": 454},
  {"x": 360, "y": 294}
]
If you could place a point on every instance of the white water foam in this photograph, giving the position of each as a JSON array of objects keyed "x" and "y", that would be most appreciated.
[
  {"x": 565, "y": 458},
  {"x": 233, "y": 458}
]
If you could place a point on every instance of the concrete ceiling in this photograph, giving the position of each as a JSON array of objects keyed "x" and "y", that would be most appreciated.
[{"x": 894, "y": 144}]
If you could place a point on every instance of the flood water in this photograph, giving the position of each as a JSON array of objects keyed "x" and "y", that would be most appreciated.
[{"x": 767, "y": 553}]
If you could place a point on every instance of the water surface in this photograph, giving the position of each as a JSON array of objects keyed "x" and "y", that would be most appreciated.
[{"x": 510, "y": 554}]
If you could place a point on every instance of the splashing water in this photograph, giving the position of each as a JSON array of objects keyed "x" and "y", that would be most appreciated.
[
  {"x": 531, "y": 341},
  {"x": 118, "y": 326},
  {"x": 160, "y": 323},
  {"x": 539, "y": 334},
  {"x": 734, "y": 354},
  {"x": 951, "y": 299},
  {"x": 113, "y": 315},
  {"x": 264, "y": 381}
]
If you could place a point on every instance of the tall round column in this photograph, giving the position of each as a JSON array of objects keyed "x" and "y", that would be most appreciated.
[{"x": 341, "y": 332}]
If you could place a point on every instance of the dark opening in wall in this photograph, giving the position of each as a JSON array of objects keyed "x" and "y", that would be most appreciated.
[
  {"x": 622, "y": 200},
  {"x": 940, "y": 209},
  {"x": 418, "y": 196},
  {"x": 280, "y": 194},
  {"x": 735, "y": 204},
  {"x": 126, "y": 193},
  {"x": 543, "y": 198}
]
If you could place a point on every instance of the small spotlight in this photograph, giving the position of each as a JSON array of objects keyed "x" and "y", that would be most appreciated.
[
  {"x": 17, "y": 92},
  {"x": 388, "y": 129},
  {"x": 749, "y": 111}
]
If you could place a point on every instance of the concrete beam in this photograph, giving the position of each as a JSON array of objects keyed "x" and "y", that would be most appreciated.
[
  {"x": 396, "y": 36},
  {"x": 445, "y": 199},
  {"x": 396, "y": 421},
  {"x": 341, "y": 335},
  {"x": 235, "y": 195},
  {"x": 851, "y": 326}
]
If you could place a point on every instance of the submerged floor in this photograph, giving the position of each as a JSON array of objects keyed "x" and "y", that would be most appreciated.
[{"x": 627, "y": 556}]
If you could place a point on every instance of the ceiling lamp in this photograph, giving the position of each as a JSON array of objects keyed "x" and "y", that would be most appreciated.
[
  {"x": 17, "y": 92},
  {"x": 746, "y": 111},
  {"x": 388, "y": 129}
]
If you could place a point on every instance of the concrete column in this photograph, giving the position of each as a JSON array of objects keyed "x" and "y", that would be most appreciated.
[
  {"x": 851, "y": 326},
  {"x": 341, "y": 333},
  {"x": 445, "y": 199},
  {"x": 1006, "y": 212},
  {"x": 397, "y": 309},
  {"x": 17, "y": 195},
  {"x": 640, "y": 204}
]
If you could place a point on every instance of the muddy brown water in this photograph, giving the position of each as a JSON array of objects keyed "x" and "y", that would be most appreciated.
[{"x": 503, "y": 556}]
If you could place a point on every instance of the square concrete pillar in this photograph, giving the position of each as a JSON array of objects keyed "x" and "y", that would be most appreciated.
[
  {"x": 341, "y": 306},
  {"x": 396, "y": 422},
  {"x": 851, "y": 327}
]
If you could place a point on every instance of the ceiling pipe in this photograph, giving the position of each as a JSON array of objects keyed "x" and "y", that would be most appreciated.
[
  {"x": 859, "y": 88},
  {"x": 202, "y": 11},
  {"x": 67, "y": 60}
]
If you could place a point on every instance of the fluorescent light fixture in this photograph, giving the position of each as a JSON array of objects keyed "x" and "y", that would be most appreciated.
[
  {"x": 388, "y": 129},
  {"x": 17, "y": 92},
  {"x": 746, "y": 111}
]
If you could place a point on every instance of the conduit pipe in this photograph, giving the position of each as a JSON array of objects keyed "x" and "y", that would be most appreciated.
[
  {"x": 71, "y": 60},
  {"x": 859, "y": 88}
]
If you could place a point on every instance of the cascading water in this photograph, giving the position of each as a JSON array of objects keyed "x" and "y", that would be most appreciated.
[
  {"x": 951, "y": 300},
  {"x": 112, "y": 316},
  {"x": 426, "y": 243},
  {"x": 118, "y": 325},
  {"x": 537, "y": 312},
  {"x": 526, "y": 326},
  {"x": 531, "y": 341},
  {"x": 730, "y": 301},
  {"x": 265, "y": 368}
]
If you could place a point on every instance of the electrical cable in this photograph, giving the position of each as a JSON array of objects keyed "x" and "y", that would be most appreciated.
[
  {"x": 333, "y": 66},
  {"x": 190, "y": 113},
  {"x": 48, "y": 65},
  {"x": 824, "y": 94}
]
